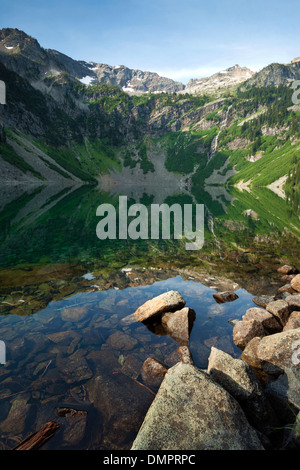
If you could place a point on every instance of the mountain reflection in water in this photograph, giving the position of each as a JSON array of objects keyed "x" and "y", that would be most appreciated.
[{"x": 64, "y": 294}]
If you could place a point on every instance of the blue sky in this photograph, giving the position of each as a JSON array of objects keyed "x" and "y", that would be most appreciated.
[{"x": 178, "y": 39}]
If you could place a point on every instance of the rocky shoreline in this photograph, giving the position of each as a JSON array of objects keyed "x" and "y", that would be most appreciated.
[
  {"x": 249, "y": 403},
  {"x": 87, "y": 366}
]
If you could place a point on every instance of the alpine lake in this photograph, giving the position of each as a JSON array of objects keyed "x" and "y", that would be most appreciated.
[{"x": 63, "y": 295}]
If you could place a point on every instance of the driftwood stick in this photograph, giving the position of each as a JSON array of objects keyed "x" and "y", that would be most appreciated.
[{"x": 39, "y": 438}]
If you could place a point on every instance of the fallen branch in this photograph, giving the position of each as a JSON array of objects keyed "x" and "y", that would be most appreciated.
[{"x": 39, "y": 438}]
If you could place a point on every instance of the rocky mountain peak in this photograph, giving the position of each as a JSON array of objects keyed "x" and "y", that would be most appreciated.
[
  {"x": 16, "y": 41},
  {"x": 294, "y": 61},
  {"x": 224, "y": 79},
  {"x": 37, "y": 65}
]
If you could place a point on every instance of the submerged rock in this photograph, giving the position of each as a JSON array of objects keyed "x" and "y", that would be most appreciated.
[
  {"x": 132, "y": 365},
  {"x": 123, "y": 404},
  {"x": 166, "y": 302},
  {"x": 227, "y": 296},
  {"x": 192, "y": 412},
  {"x": 263, "y": 300},
  {"x": 74, "y": 314},
  {"x": 15, "y": 421},
  {"x": 122, "y": 341},
  {"x": 74, "y": 368},
  {"x": 153, "y": 372}
]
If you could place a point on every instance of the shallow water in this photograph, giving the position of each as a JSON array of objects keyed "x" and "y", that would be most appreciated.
[
  {"x": 56, "y": 353},
  {"x": 63, "y": 296}
]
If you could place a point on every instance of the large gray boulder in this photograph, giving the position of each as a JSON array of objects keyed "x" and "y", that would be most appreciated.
[
  {"x": 238, "y": 378},
  {"x": 122, "y": 404},
  {"x": 192, "y": 412}
]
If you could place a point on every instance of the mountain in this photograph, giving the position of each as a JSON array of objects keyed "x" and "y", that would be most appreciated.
[
  {"x": 225, "y": 79},
  {"x": 72, "y": 121},
  {"x": 23, "y": 54},
  {"x": 132, "y": 81},
  {"x": 276, "y": 74}
]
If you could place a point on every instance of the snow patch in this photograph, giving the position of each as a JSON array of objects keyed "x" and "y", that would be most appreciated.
[
  {"x": 277, "y": 186},
  {"x": 128, "y": 89},
  {"x": 87, "y": 80}
]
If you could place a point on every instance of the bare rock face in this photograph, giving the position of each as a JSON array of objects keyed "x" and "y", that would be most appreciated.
[
  {"x": 179, "y": 324},
  {"x": 166, "y": 302},
  {"x": 244, "y": 331},
  {"x": 224, "y": 79},
  {"x": 133, "y": 81},
  {"x": 192, "y": 412}
]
